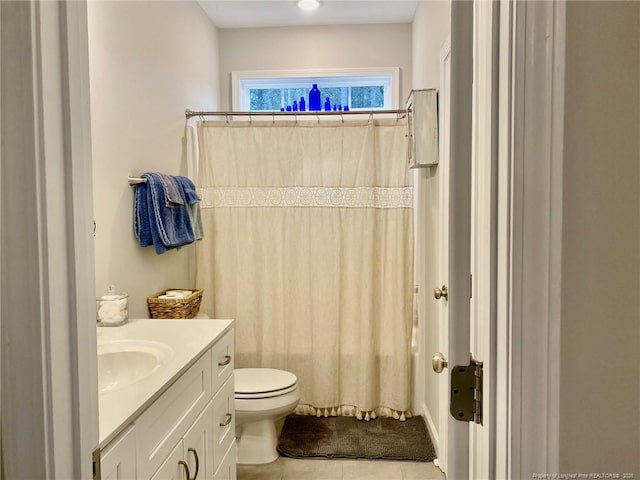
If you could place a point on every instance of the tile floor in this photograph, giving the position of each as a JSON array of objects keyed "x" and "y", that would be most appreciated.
[{"x": 294, "y": 469}]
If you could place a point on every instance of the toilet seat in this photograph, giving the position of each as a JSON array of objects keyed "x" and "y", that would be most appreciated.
[{"x": 256, "y": 383}]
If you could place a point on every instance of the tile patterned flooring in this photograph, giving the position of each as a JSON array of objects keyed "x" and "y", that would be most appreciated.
[{"x": 296, "y": 469}]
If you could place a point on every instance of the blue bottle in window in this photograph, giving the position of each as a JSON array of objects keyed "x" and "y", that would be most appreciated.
[
  {"x": 295, "y": 106},
  {"x": 314, "y": 98},
  {"x": 327, "y": 105},
  {"x": 302, "y": 104}
]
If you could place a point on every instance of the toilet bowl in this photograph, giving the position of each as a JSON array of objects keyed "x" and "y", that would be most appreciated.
[{"x": 262, "y": 396}]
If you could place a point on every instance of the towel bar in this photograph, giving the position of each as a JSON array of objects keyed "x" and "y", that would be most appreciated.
[{"x": 136, "y": 180}]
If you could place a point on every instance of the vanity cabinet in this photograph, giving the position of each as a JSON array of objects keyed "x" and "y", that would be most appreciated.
[
  {"x": 118, "y": 461},
  {"x": 188, "y": 432}
]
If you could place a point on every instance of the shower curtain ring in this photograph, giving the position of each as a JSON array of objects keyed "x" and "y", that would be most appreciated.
[
  {"x": 226, "y": 117},
  {"x": 370, "y": 117},
  {"x": 273, "y": 118}
]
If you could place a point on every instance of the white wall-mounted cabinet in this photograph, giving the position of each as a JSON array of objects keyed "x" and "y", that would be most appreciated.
[
  {"x": 422, "y": 110},
  {"x": 188, "y": 432}
]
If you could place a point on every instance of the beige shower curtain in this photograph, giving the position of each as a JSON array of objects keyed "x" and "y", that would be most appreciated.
[{"x": 309, "y": 246}]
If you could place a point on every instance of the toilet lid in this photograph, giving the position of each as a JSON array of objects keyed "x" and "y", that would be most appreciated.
[{"x": 263, "y": 382}]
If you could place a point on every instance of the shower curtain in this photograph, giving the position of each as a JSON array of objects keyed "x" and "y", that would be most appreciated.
[{"x": 309, "y": 247}]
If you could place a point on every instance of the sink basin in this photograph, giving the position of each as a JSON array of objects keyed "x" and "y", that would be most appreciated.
[{"x": 123, "y": 362}]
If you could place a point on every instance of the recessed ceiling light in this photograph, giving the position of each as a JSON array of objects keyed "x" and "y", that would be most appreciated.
[{"x": 308, "y": 5}]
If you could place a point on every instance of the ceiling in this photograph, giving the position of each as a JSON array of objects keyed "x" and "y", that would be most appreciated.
[{"x": 283, "y": 13}]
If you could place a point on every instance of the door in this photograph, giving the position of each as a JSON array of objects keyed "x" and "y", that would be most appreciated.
[
  {"x": 444, "y": 118},
  {"x": 174, "y": 467},
  {"x": 198, "y": 445},
  {"x": 468, "y": 122},
  {"x": 224, "y": 422},
  {"x": 457, "y": 208},
  {"x": 118, "y": 460}
]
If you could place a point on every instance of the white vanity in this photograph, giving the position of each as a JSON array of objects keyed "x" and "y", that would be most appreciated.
[{"x": 167, "y": 400}]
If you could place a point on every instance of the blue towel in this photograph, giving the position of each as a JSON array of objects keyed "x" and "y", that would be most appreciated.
[
  {"x": 171, "y": 188},
  {"x": 161, "y": 215},
  {"x": 193, "y": 199},
  {"x": 141, "y": 222}
]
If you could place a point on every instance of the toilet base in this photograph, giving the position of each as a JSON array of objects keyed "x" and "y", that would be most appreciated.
[{"x": 257, "y": 442}]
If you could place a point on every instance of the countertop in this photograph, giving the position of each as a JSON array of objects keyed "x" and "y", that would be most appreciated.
[{"x": 188, "y": 339}]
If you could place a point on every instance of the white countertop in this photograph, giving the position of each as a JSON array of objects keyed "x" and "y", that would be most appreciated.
[{"x": 188, "y": 339}]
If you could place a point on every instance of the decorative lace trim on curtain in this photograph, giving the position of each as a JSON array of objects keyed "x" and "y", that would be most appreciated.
[
  {"x": 349, "y": 197},
  {"x": 353, "y": 411}
]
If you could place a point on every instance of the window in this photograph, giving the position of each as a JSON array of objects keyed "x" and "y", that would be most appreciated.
[{"x": 358, "y": 89}]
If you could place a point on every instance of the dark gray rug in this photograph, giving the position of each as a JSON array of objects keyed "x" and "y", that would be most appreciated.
[{"x": 346, "y": 437}]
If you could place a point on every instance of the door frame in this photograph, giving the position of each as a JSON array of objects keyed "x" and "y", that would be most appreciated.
[
  {"x": 57, "y": 300},
  {"x": 48, "y": 285},
  {"x": 484, "y": 230},
  {"x": 530, "y": 155}
]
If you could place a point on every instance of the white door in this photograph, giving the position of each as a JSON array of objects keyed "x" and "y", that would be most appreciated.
[
  {"x": 198, "y": 445},
  {"x": 174, "y": 467},
  {"x": 444, "y": 117},
  {"x": 455, "y": 211},
  {"x": 118, "y": 459}
]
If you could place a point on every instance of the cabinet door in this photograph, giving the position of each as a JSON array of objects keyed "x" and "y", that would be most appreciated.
[
  {"x": 198, "y": 446},
  {"x": 166, "y": 421},
  {"x": 223, "y": 360},
  {"x": 171, "y": 468},
  {"x": 224, "y": 422},
  {"x": 118, "y": 459},
  {"x": 227, "y": 469}
]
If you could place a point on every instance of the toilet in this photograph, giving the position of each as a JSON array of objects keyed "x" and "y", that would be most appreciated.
[{"x": 262, "y": 396}]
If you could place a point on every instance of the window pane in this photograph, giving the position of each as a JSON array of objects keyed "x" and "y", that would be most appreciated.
[
  {"x": 337, "y": 96},
  {"x": 367, "y": 97},
  {"x": 265, "y": 99},
  {"x": 294, "y": 94}
]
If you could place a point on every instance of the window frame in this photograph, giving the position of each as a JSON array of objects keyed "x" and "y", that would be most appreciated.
[{"x": 243, "y": 80}]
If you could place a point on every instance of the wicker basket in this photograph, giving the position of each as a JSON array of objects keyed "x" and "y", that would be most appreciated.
[{"x": 186, "y": 307}]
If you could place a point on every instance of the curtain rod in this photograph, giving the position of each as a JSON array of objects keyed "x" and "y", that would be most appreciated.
[{"x": 189, "y": 113}]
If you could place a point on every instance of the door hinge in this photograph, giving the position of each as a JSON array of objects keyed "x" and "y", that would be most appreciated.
[{"x": 466, "y": 392}]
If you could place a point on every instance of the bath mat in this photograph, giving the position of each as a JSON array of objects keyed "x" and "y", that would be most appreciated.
[{"x": 346, "y": 437}]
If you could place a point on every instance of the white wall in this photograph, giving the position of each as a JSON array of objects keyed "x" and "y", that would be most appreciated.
[
  {"x": 337, "y": 46},
  {"x": 600, "y": 348},
  {"x": 431, "y": 28},
  {"x": 148, "y": 62}
]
